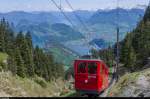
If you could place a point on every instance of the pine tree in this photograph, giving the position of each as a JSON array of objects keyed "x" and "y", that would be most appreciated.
[
  {"x": 20, "y": 44},
  {"x": 37, "y": 61},
  {"x": 6, "y": 37},
  {"x": 48, "y": 65},
  {"x": 2, "y": 35},
  {"x": 20, "y": 64},
  {"x": 132, "y": 59},
  {"x": 26, "y": 53},
  {"x": 128, "y": 55},
  {"x": 29, "y": 41},
  {"x": 30, "y": 63},
  {"x": 43, "y": 63}
]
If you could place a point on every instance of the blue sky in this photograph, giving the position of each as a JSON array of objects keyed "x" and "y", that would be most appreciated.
[{"x": 46, "y": 5}]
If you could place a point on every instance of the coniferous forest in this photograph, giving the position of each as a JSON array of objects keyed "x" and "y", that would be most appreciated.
[
  {"x": 135, "y": 48},
  {"x": 24, "y": 59}
]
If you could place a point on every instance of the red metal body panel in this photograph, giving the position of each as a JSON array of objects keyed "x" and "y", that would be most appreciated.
[{"x": 90, "y": 81}]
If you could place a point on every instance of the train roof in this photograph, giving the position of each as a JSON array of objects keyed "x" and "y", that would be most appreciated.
[{"x": 90, "y": 59}]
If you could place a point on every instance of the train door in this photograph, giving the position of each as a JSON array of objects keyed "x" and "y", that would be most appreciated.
[
  {"x": 81, "y": 76},
  {"x": 92, "y": 75}
]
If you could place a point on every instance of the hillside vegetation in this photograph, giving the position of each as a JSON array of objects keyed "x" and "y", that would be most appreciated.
[
  {"x": 15, "y": 86},
  {"x": 23, "y": 59},
  {"x": 26, "y": 70}
]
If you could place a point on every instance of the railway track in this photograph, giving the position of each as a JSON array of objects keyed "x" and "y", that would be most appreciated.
[{"x": 105, "y": 93}]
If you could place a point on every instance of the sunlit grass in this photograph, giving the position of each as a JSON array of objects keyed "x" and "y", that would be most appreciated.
[{"x": 3, "y": 57}]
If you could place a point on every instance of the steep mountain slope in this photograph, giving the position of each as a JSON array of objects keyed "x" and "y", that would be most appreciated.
[{"x": 137, "y": 44}]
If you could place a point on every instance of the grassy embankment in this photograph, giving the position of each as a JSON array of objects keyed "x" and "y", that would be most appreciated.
[{"x": 13, "y": 85}]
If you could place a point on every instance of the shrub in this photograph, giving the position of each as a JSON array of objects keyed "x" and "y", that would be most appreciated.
[
  {"x": 41, "y": 82},
  {"x": 2, "y": 66}
]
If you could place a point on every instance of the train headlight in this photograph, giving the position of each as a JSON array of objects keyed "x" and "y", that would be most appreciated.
[{"x": 86, "y": 81}]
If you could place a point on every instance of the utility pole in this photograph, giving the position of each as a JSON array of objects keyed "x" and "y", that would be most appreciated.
[
  {"x": 117, "y": 64},
  {"x": 117, "y": 59}
]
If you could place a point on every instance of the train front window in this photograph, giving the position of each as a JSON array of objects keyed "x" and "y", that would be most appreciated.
[
  {"x": 92, "y": 68},
  {"x": 82, "y": 67}
]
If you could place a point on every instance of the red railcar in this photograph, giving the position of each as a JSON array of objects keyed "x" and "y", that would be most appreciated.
[{"x": 91, "y": 76}]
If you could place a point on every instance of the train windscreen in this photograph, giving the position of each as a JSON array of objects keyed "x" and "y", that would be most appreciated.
[
  {"x": 92, "y": 68},
  {"x": 82, "y": 67}
]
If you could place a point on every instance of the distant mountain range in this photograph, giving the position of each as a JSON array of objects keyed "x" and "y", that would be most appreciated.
[{"x": 53, "y": 27}]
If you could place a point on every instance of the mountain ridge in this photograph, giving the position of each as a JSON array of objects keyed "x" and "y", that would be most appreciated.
[{"x": 39, "y": 23}]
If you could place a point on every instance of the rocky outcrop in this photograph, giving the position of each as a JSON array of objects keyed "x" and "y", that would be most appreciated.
[{"x": 132, "y": 85}]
